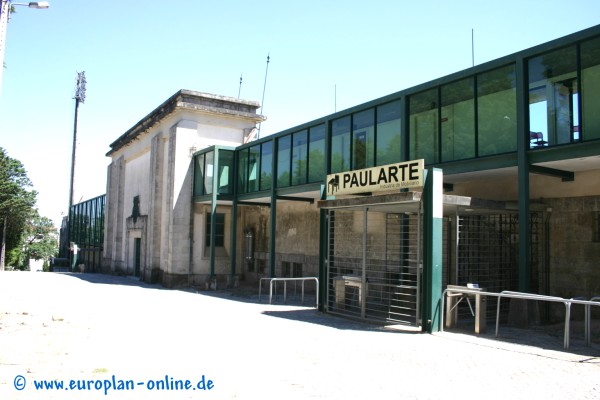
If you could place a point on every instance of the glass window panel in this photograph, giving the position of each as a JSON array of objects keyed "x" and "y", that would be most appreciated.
[
  {"x": 363, "y": 135},
  {"x": 316, "y": 154},
  {"x": 423, "y": 111},
  {"x": 219, "y": 230},
  {"x": 266, "y": 165},
  {"x": 225, "y": 171},
  {"x": 389, "y": 142},
  {"x": 299, "y": 155},
  {"x": 590, "y": 88},
  {"x": 458, "y": 120},
  {"x": 340, "y": 145},
  {"x": 497, "y": 111},
  {"x": 253, "y": 167},
  {"x": 208, "y": 174},
  {"x": 242, "y": 171},
  {"x": 553, "y": 98},
  {"x": 199, "y": 175},
  {"x": 284, "y": 146}
]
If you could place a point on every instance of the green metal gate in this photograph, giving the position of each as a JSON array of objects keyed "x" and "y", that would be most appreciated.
[{"x": 374, "y": 263}]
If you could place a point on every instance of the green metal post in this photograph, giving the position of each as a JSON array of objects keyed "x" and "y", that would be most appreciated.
[
  {"x": 272, "y": 233},
  {"x": 233, "y": 239},
  {"x": 432, "y": 249},
  {"x": 322, "y": 251},
  {"x": 213, "y": 211},
  {"x": 273, "y": 216},
  {"x": 523, "y": 175},
  {"x": 234, "y": 207}
]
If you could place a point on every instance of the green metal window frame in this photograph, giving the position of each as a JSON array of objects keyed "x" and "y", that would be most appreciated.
[
  {"x": 86, "y": 222},
  {"x": 496, "y": 132},
  {"x": 219, "y": 229}
]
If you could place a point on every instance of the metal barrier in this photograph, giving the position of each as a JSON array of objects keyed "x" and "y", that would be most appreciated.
[
  {"x": 529, "y": 296},
  {"x": 285, "y": 280}
]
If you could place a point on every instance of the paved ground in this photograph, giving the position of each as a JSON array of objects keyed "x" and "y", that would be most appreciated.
[{"x": 101, "y": 335}]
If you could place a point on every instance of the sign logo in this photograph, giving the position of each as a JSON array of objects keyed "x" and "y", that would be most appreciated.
[{"x": 405, "y": 175}]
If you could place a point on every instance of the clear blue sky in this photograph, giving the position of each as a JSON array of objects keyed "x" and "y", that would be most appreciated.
[{"x": 137, "y": 53}]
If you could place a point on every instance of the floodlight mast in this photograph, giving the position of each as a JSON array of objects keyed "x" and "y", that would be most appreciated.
[{"x": 5, "y": 7}]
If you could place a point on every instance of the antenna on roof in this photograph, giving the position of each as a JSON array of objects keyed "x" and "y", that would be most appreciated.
[
  {"x": 262, "y": 103},
  {"x": 472, "y": 47},
  {"x": 240, "y": 88}
]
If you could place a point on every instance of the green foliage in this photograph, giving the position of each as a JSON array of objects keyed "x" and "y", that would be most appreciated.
[
  {"x": 40, "y": 239},
  {"x": 17, "y": 201}
]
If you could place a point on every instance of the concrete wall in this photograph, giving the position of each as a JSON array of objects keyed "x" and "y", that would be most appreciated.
[
  {"x": 574, "y": 255},
  {"x": 155, "y": 163},
  {"x": 297, "y": 238}
]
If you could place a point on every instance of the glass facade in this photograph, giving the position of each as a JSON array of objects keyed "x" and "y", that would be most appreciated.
[
  {"x": 464, "y": 117},
  {"x": 458, "y": 120},
  {"x": 340, "y": 145},
  {"x": 242, "y": 171},
  {"x": 284, "y": 147},
  {"x": 225, "y": 172},
  {"x": 199, "y": 175},
  {"x": 203, "y": 176},
  {"x": 590, "y": 82},
  {"x": 299, "y": 157},
  {"x": 424, "y": 123},
  {"x": 209, "y": 163},
  {"x": 389, "y": 138},
  {"x": 86, "y": 223},
  {"x": 363, "y": 139},
  {"x": 497, "y": 111},
  {"x": 553, "y": 98},
  {"x": 266, "y": 165},
  {"x": 316, "y": 154}
]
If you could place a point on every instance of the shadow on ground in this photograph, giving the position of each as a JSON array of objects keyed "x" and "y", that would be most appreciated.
[
  {"x": 550, "y": 337},
  {"x": 547, "y": 337}
]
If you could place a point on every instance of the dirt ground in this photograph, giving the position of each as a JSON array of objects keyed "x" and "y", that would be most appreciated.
[{"x": 96, "y": 333}]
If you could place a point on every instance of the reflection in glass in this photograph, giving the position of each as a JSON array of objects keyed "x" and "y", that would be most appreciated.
[
  {"x": 253, "y": 167},
  {"x": 363, "y": 134},
  {"x": 266, "y": 165},
  {"x": 458, "y": 120},
  {"x": 299, "y": 155},
  {"x": 590, "y": 83},
  {"x": 340, "y": 145},
  {"x": 242, "y": 171},
  {"x": 553, "y": 98},
  {"x": 316, "y": 154},
  {"x": 199, "y": 175},
  {"x": 225, "y": 171},
  {"x": 497, "y": 111},
  {"x": 208, "y": 172},
  {"x": 389, "y": 148},
  {"x": 283, "y": 160},
  {"x": 424, "y": 141}
]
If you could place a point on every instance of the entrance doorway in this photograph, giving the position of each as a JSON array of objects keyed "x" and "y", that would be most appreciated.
[
  {"x": 374, "y": 254},
  {"x": 137, "y": 245},
  {"x": 374, "y": 262}
]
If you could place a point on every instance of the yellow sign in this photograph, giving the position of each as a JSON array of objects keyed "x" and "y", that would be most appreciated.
[{"x": 405, "y": 175}]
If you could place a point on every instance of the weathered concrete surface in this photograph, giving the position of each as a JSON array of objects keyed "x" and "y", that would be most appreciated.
[{"x": 91, "y": 327}]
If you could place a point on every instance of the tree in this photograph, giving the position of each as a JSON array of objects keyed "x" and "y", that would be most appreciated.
[
  {"x": 17, "y": 200},
  {"x": 39, "y": 242}
]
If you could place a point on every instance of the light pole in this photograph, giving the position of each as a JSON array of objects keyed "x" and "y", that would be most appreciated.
[
  {"x": 79, "y": 98},
  {"x": 4, "y": 16}
]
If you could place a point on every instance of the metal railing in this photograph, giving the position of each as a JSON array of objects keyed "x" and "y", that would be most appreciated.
[
  {"x": 273, "y": 281},
  {"x": 528, "y": 296}
]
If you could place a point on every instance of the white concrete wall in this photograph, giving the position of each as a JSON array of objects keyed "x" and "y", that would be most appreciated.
[{"x": 175, "y": 238}]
